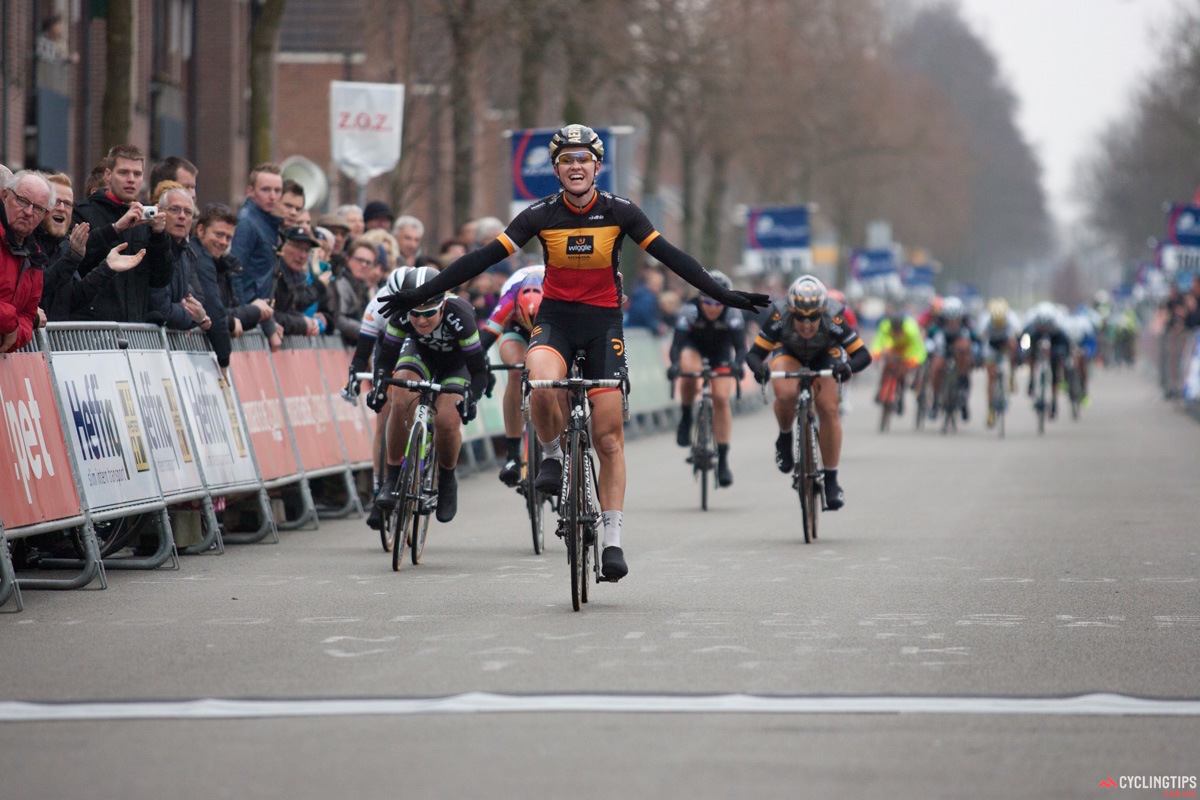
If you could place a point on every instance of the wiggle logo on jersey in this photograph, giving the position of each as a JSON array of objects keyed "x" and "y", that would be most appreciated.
[
  {"x": 618, "y": 347},
  {"x": 581, "y": 245},
  {"x": 836, "y": 352}
]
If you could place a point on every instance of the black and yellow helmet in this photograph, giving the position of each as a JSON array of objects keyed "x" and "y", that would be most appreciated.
[
  {"x": 807, "y": 297},
  {"x": 576, "y": 136}
]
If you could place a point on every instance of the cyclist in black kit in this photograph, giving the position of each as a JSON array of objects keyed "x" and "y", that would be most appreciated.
[
  {"x": 808, "y": 330},
  {"x": 708, "y": 329},
  {"x": 437, "y": 342},
  {"x": 581, "y": 230}
]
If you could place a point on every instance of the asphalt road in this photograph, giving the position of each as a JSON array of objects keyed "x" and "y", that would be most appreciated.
[{"x": 966, "y": 574}]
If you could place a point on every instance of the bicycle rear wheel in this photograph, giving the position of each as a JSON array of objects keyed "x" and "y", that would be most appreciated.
[
  {"x": 922, "y": 403},
  {"x": 534, "y": 502},
  {"x": 591, "y": 532},
  {"x": 950, "y": 399},
  {"x": 1075, "y": 387},
  {"x": 424, "y": 493},
  {"x": 387, "y": 534}
]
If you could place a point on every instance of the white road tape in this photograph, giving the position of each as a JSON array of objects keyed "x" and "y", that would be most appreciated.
[{"x": 487, "y": 703}]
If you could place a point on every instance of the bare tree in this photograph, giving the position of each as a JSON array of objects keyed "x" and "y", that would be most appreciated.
[
  {"x": 118, "y": 74},
  {"x": 264, "y": 41}
]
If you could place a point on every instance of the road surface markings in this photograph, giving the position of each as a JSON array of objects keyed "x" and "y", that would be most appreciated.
[{"x": 1106, "y": 705}]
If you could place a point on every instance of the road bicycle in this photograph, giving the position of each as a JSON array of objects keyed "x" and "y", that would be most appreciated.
[
  {"x": 808, "y": 478},
  {"x": 1043, "y": 379},
  {"x": 703, "y": 456},
  {"x": 954, "y": 394},
  {"x": 924, "y": 393},
  {"x": 579, "y": 520},
  {"x": 535, "y": 501},
  {"x": 1074, "y": 383},
  {"x": 891, "y": 391},
  {"x": 999, "y": 399},
  {"x": 416, "y": 486}
]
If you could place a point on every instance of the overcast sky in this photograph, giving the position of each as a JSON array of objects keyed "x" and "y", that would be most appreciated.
[{"x": 1074, "y": 65}]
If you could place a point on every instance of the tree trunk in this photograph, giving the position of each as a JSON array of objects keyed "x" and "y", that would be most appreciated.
[
  {"x": 118, "y": 82},
  {"x": 718, "y": 185},
  {"x": 463, "y": 40},
  {"x": 264, "y": 39}
]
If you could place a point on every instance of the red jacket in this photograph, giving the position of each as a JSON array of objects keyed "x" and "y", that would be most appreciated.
[{"x": 20, "y": 292}]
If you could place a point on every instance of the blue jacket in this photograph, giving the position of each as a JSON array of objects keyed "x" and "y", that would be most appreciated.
[{"x": 254, "y": 244}]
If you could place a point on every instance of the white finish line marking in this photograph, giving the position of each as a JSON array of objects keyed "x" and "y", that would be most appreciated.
[{"x": 1109, "y": 705}]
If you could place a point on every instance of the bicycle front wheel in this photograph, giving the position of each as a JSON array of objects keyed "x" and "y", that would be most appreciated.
[
  {"x": 1041, "y": 402},
  {"x": 571, "y": 509},
  {"x": 702, "y": 454},
  {"x": 812, "y": 479},
  {"x": 407, "y": 505},
  {"x": 426, "y": 494}
]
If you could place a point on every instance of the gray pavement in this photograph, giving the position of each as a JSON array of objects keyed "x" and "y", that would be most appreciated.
[{"x": 963, "y": 565}]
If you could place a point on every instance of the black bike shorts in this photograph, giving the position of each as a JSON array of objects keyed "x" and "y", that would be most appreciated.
[
  {"x": 431, "y": 365},
  {"x": 567, "y": 328},
  {"x": 718, "y": 355},
  {"x": 824, "y": 359}
]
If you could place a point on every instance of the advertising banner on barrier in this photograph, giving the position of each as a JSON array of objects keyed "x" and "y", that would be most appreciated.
[
  {"x": 263, "y": 409},
  {"x": 222, "y": 443},
  {"x": 356, "y": 436},
  {"x": 36, "y": 484},
  {"x": 104, "y": 427},
  {"x": 308, "y": 408},
  {"x": 162, "y": 416}
]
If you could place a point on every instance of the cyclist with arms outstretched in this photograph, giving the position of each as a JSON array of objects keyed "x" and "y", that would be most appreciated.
[
  {"x": 807, "y": 330},
  {"x": 581, "y": 230}
]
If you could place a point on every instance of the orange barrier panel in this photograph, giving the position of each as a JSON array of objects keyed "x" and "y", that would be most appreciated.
[
  {"x": 263, "y": 409},
  {"x": 356, "y": 436},
  {"x": 308, "y": 409},
  {"x": 36, "y": 484}
]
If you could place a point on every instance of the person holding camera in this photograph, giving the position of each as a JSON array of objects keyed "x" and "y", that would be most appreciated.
[{"x": 115, "y": 216}]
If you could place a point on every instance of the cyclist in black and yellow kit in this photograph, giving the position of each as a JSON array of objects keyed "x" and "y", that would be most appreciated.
[{"x": 581, "y": 230}]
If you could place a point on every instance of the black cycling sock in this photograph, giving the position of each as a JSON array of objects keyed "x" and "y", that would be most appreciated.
[
  {"x": 513, "y": 446},
  {"x": 722, "y": 452},
  {"x": 685, "y": 411},
  {"x": 831, "y": 477},
  {"x": 393, "y": 475}
]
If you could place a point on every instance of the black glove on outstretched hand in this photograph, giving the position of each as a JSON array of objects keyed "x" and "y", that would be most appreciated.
[
  {"x": 746, "y": 301},
  {"x": 672, "y": 372},
  {"x": 399, "y": 303},
  {"x": 842, "y": 371},
  {"x": 491, "y": 383}
]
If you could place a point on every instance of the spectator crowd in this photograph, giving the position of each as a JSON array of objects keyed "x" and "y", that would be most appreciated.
[{"x": 134, "y": 247}]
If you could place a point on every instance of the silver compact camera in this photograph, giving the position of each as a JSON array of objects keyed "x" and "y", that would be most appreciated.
[{"x": 149, "y": 212}]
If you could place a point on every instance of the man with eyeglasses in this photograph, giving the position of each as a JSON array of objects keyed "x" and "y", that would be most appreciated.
[
  {"x": 27, "y": 197},
  {"x": 115, "y": 216},
  {"x": 190, "y": 301},
  {"x": 708, "y": 330},
  {"x": 581, "y": 230}
]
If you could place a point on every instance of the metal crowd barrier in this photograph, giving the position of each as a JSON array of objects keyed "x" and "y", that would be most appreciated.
[{"x": 227, "y": 463}]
